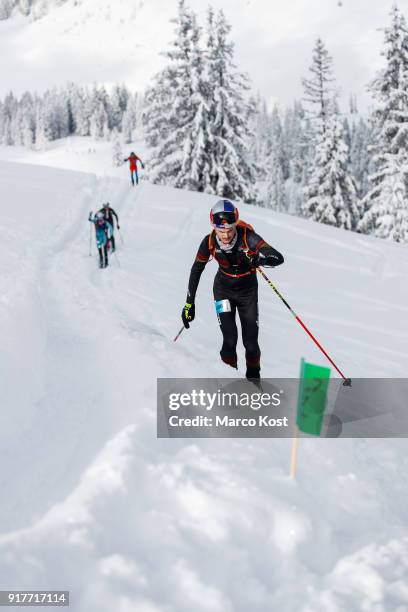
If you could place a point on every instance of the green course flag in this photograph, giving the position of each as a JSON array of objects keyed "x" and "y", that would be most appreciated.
[{"x": 314, "y": 381}]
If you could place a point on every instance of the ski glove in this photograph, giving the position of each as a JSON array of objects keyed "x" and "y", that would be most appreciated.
[
  {"x": 188, "y": 314},
  {"x": 117, "y": 226},
  {"x": 269, "y": 261},
  {"x": 143, "y": 166}
]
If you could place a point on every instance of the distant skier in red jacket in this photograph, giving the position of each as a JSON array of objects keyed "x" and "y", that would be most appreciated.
[{"x": 133, "y": 159}]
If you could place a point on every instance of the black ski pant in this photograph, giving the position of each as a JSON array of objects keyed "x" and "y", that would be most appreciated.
[
  {"x": 241, "y": 294},
  {"x": 103, "y": 255}
]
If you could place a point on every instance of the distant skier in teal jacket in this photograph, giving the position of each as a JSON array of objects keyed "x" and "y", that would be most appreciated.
[{"x": 103, "y": 232}]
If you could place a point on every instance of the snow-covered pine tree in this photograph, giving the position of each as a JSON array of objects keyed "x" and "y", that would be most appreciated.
[
  {"x": 7, "y": 133},
  {"x": 175, "y": 112},
  {"x": 25, "y": 6},
  {"x": 386, "y": 204},
  {"x": 319, "y": 105},
  {"x": 83, "y": 112},
  {"x": 195, "y": 165},
  {"x": 28, "y": 133},
  {"x": 296, "y": 144},
  {"x": 260, "y": 138},
  {"x": 49, "y": 115},
  {"x": 6, "y": 8},
  {"x": 232, "y": 174},
  {"x": 27, "y": 105},
  {"x": 99, "y": 121},
  {"x": 318, "y": 88},
  {"x": 259, "y": 145},
  {"x": 137, "y": 103},
  {"x": 347, "y": 132},
  {"x": 276, "y": 188},
  {"x": 115, "y": 111},
  {"x": 36, "y": 8},
  {"x": 330, "y": 195},
  {"x": 63, "y": 112},
  {"x": 16, "y": 127},
  {"x": 128, "y": 118},
  {"x": 117, "y": 152},
  {"x": 10, "y": 108},
  {"x": 292, "y": 139},
  {"x": 360, "y": 155},
  {"x": 2, "y": 120},
  {"x": 277, "y": 167},
  {"x": 39, "y": 8},
  {"x": 128, "y": 123},
  {"x": 194, "y": 115},
  {"x": 41, "y": 138}
]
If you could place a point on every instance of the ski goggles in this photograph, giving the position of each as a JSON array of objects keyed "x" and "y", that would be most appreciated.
[
  {"x": 223, "y": 220},
  {"x": 224, "y": 214}
]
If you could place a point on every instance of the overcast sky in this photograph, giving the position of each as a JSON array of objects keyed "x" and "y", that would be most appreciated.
[
  {"x": 105, "y": 41},
  {"x": 274, "y": 41}
]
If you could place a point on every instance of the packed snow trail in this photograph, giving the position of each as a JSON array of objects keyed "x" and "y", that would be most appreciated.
[{"x": 95, "y": 503}]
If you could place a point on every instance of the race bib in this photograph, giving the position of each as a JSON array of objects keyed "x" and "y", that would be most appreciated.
[{"x": 222, "y": 306}]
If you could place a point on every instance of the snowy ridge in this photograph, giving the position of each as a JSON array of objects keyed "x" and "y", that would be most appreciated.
[
  {"x": 95, "y": 503},
  {"x": 91, "y": 41}
]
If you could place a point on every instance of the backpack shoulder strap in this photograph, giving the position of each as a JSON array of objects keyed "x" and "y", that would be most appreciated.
[
  {"x": 246, "y": 227},
  {"x": 211, "y": 246}
]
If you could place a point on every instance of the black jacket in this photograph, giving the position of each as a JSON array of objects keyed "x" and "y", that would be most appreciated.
[
  {"x": 233, "y": 265},
  {"x": 108, "y": 214}
]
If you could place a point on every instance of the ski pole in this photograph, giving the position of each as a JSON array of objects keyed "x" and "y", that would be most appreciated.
[
  {"x": 179, "y": 334},
  {"x": 116, "y": 258},
  {"x": 346, "y": 381},
  {"x": 120, "y": 234}
]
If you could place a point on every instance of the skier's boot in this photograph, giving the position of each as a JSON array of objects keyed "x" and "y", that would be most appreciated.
[
  {"x": 253, "y": 373},
  {"x": 254, "y": 377},
  {"x": 230, "y": 360}
]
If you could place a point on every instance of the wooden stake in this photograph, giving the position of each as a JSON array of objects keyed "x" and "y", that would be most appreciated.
[{"x": 294, "y": 455}]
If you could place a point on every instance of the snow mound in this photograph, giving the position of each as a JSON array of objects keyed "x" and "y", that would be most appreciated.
[{"x": 95, "y": 502}]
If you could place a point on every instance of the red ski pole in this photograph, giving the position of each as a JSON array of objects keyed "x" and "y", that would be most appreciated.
[
  {"x": 179, "y": 334},
  {"x": 346, "y": 381}
]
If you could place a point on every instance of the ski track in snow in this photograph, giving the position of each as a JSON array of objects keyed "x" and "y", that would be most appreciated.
[{"x": 96, "y": 504}]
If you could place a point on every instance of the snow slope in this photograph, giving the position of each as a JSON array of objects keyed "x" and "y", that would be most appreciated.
[
  {"x": 77, "y": 153},
  {"x": 84, "y": 41},
  {"x": 94, "y": 503}
]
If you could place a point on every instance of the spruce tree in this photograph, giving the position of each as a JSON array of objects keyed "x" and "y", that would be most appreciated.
[
  {"x": 259, "y": 142},
  {"x": 170, "y": 110},
  {"x": 195, "y": 167},
  {"x": 6, "y": 8},
  {"x": 128, "y": 124},
  {"x": 277, "y": 166},
  {"x": 386, "y": 208},
  {"x": 318, "y": 88},
  {"x": 232, "y": 174},
  {"x": 117, "y": 152},
  {"x": 330, "y": 195},
  {"x": 360, "y": 155},
  {"x": 25, "y": 6}
]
